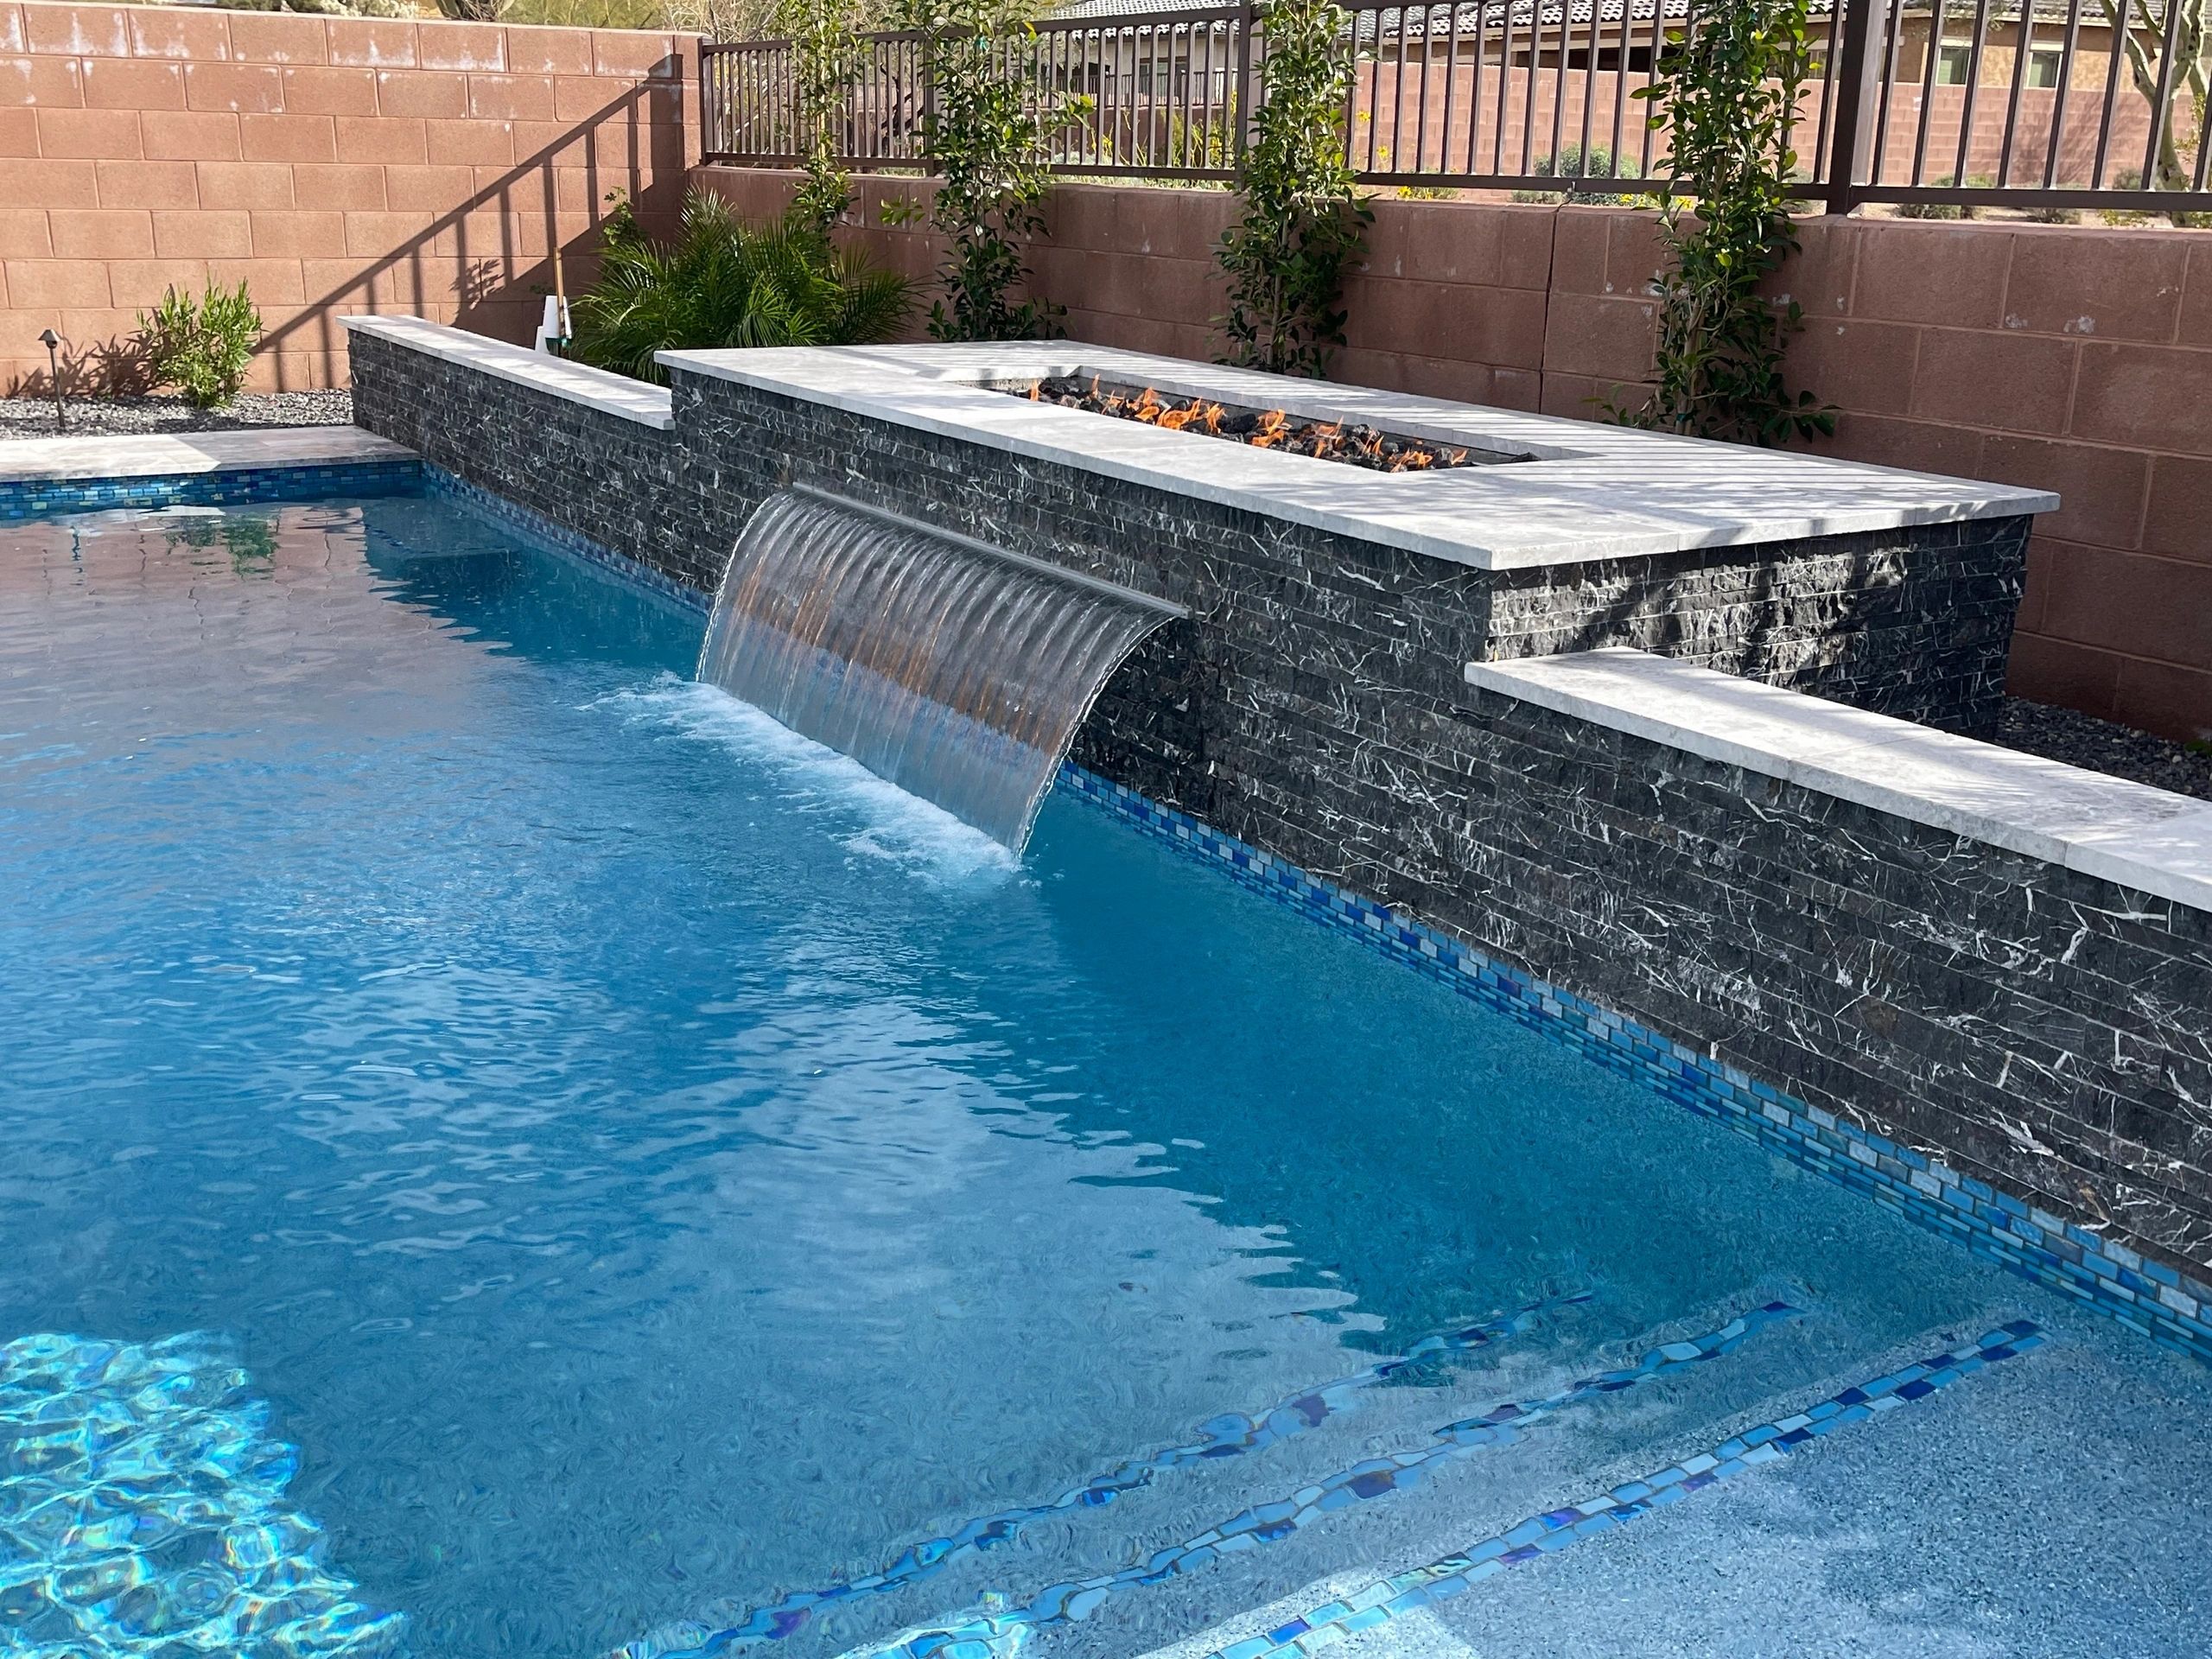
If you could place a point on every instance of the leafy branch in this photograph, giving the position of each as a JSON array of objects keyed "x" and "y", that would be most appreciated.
[
  {"x": 985, "y": 128},
  {"x": 825, "y": 52},
  {"x": 1728, "y": 89},
  {"x": 1303, "y": 227}
]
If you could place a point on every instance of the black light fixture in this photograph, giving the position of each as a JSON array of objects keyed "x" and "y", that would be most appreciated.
[{"x": 52, "y": 341}]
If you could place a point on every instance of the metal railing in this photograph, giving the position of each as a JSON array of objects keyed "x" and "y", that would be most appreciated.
[{"x": 1933, "y": 107}]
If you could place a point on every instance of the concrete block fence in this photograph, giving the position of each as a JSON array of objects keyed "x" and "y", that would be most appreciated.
[
  {"x": 332, "y": 164},
  {"x": 2074, "y": 359}
]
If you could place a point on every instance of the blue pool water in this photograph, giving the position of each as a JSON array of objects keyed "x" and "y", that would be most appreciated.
[{"x": 605, "y": 1170}]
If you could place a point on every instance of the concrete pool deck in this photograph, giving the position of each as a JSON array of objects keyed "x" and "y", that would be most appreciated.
[{"x": 151, "y": 454}]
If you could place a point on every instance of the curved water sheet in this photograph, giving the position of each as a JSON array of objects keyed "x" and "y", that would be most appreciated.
[
  {"x": 142, "y": 1511},
  {"x": 957, "y": 671}
]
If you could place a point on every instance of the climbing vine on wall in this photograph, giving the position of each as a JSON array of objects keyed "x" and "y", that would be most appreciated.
[
  {"x": 985, "y": 128},
  {"x": 1727, "y": 94},
  {"x": 1303, "y": 227}
]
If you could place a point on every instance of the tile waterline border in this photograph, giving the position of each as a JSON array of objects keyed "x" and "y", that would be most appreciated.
[
  {"x": 2147, "y": 1297},
  {"x": 29, "y": 498},
  {"x": 535, "y": 526}
]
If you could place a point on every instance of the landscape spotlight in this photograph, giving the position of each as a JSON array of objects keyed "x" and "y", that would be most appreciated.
[{"x": 52, "y": 341}]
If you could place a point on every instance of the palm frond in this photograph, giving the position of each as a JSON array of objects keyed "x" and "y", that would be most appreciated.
[{"x": 723, "y": 282}]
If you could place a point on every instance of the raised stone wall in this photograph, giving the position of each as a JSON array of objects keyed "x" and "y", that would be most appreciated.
[
  {"x": 609, "y": 480},
  {"x": 1912, "y": 622},
  {"x": 2046, "y": 1030}
]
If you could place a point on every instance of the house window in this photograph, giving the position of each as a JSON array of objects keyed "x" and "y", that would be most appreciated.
[
  {"x": 2044, "y": 63},
  {"x": 1954, "y": 63}
]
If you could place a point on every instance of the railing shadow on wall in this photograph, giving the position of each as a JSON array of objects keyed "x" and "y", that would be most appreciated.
[
  {"x": 650, "y": 175},
  {"x": 496, "y": 290}
]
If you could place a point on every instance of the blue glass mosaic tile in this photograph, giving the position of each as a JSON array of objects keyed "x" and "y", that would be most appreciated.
[
  {"x": 1233, "y": 1434},
  {"x": 1543, "y": 1535},
  {"x": 2144, "y": 1296},
  {"x": 231, "y": 486}
]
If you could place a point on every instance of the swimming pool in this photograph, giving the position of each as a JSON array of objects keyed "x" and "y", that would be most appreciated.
[{"x": 547, "y": 1161}]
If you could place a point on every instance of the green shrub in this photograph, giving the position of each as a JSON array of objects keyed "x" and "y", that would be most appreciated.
[
  {"x": 1945, "y": 209},
  {"x": 1304, "y": 225},
  {"x": 985, "y": 125},
  {"x": 200, "y": 347},
  {"x": 1727, "y": 94},
  {"x": 1584, "y": 179},
  {"x": 724, "y": 282}
]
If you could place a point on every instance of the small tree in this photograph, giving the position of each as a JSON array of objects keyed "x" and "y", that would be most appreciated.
[
  {"x": 1303, "y": 226},
  {"x": 2140, "y": 27},
  {"x": 1728, "y": 93},
  {"x": 826, "y": 53},
  {"x": 985, "y": 128}
]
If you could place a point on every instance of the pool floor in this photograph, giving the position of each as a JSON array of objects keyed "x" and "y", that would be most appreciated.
[{"x": 512, "y": 1154}]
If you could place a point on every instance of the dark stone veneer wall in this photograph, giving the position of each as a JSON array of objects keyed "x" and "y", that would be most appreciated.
[{"x": 2048, "y": 1032}]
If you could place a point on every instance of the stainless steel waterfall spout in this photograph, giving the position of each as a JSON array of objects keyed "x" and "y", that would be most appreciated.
[
  {"x": 957, "y": 669},
  {"x": 988, "y": 550}
]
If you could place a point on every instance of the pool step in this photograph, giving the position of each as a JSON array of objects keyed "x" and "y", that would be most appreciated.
[
  {"x": 1231, "y": 1435},
  {"x": 1325, "y": 1621},
  {"x": 998, "y": 1631}
]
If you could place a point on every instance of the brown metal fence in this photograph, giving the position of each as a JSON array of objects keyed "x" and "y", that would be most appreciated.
[{"x": 1937, "y": 107}]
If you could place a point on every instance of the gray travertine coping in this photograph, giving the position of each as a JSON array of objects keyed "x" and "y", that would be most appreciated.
[
  {"x": 153, "y": 454},
  {"x": 2128, "y": 834},
  {"x": 558, "y": 376},
  {"x": 1592, "y": 491}
]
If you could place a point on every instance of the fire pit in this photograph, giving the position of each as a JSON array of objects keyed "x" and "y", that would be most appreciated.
[{"x": 1354, "y": 444}]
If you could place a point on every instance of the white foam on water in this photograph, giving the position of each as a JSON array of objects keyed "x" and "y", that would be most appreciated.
[{"x": 895, "y": 826}]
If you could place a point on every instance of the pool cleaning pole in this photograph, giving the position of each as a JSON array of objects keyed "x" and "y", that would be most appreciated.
[{"x": 553, "y": 330}]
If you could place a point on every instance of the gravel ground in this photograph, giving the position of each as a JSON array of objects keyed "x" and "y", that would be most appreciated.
[
  {"x": 33, "y": 417},
  {"x": 2083, "y": 740}
]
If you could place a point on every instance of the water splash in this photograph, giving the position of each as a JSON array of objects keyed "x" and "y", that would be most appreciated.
[
  {"x": 143, "y": 1512},
  {"x": 957, "y": 671},
  {"x": 870, "y": 817}
]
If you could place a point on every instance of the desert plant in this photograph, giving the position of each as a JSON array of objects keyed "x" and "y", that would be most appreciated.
[
  {"x": 1584, "y": 176},
  {"x": 200, "y": 347},
  {"x": 721, "y": 283},
  {"x": 985, "y": 129},
  {"x": 1946, "y": 210},
  {"x": 1303, "y": 226},
  {"x": 2169, "y": 52},
  {"x": 1728, "y": 93}
]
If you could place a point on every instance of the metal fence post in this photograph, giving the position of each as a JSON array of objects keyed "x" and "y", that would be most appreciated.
[
  {"x": 1856, "y": 90},
  {"x": 1248, "y": 22}
]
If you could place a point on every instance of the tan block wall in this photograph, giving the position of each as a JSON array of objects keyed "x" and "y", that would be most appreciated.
[
  {"x": 2072, "y": 359},
  {"x": 2075, "y": 359},
  {"x": 332, "y": 164}
]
